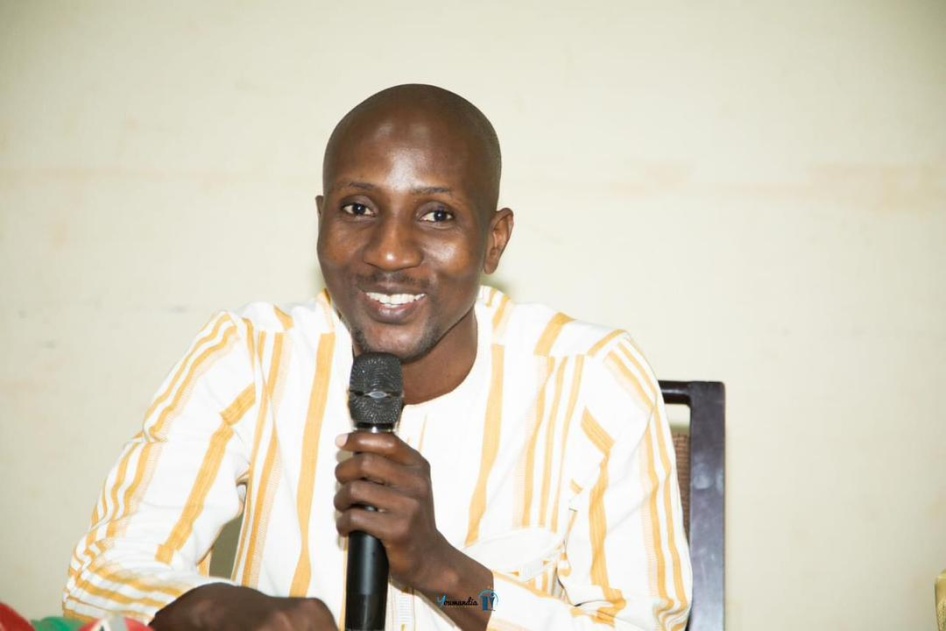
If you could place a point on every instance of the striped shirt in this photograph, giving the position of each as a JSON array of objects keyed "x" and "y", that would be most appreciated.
[{"x": 551, "y": 464}]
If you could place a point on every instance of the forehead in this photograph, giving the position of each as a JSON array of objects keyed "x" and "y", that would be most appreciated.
[{"x": 430, "y": 145}]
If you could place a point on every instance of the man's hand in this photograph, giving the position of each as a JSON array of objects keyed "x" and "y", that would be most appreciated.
[
  {"x": 386, "y": 473},
  {"x": 224, "y": 607},
  {"x": 395, "y": 479}
]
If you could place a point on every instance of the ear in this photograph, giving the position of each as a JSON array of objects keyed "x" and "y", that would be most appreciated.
[
  {"x": 500, "y": 231},
  {"x": 319, "y": 200}
]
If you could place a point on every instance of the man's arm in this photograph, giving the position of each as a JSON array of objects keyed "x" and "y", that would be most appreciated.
[
  {"x": 626, "y": 560},
  {"x": 172, "y": 488},
  {"x": 169, "y": 495}
]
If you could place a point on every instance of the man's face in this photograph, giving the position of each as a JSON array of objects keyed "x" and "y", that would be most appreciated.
[{"x": 404, "y": 235}]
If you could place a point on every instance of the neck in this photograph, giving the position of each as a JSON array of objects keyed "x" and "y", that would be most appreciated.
[{"x": 445, "y": 366}]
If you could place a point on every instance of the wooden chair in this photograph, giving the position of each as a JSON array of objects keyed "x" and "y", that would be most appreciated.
[{"x": 701, "y": 458}]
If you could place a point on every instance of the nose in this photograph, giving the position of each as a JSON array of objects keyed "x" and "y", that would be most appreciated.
[{"x": 393, "y": 244}]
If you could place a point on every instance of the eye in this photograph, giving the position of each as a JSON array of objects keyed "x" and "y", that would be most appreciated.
[
  {"x": 437, "y": 215},
  {"x": 356, "y": 209}
]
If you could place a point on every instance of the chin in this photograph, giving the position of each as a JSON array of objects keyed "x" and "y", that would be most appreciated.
[{"x": 405, "y": 350}]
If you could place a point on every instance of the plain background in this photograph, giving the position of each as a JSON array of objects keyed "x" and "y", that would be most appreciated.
[{"x": 757, "y": 191}]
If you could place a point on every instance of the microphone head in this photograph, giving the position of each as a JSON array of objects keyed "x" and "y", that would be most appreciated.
[{"x": 376, "y": 391}]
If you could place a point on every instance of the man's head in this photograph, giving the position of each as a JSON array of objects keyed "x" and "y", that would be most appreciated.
[{"x": 408, "y": 220}]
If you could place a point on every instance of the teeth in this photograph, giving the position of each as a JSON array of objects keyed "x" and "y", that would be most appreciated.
[{"x": 394, "y": 299}]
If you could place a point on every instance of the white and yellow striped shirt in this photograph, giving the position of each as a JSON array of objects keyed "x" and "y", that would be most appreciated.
[{"x": 551, "y": 464}]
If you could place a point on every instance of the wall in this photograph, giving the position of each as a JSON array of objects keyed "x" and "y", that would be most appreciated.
[{"x": 756, "y": 190}]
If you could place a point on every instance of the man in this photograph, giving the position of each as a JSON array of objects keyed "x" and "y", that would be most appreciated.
[{"x": 531, "y": 481}]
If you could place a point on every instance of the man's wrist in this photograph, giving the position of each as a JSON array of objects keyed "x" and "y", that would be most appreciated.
[
  {"x": 459, "y": 589},
  {"x": 459, "y": 578}
]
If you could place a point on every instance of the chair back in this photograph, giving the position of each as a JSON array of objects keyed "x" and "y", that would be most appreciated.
[{"x": 701, "y": 457}]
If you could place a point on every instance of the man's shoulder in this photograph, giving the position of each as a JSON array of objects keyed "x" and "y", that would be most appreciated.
[
  {"x": 541, "y": 330},
  {"x": 530, "y": 331},
  {"x": 313, "y": 316}
]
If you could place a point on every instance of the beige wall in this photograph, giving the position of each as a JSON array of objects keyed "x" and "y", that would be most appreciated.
[{"x": 757, "y": 192}]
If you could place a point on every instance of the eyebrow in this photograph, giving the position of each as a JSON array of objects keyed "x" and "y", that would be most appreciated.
[
  {"x": 362, "y": 185},
  {"x": 418, "y": 190}
]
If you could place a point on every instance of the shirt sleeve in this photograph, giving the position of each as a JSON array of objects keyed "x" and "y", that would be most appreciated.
[
  {"x": 626, "y": 562},
  {"x": 173, "y": 488}
]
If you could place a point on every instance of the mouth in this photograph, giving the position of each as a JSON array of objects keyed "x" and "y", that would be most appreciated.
[
  {"x": 396, "y": 308},
  {"x": 393, "y": 300}
]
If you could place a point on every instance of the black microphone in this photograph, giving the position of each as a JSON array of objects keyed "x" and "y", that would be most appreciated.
[{"x": 375, "y": 400}]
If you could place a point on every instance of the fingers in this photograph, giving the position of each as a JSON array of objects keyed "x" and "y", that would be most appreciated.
[
  {"x": 382, "y": 444},
  {"x": 384, "y": 459},
  {"x": 360, "y": 493},
  {"x": 392, "y": 528},
  {"x": 372, "y": 480},
  {"x": 381, "y": 470},
  {"x": 388, "y": 475},
  {"x": 316, "y": 615}
]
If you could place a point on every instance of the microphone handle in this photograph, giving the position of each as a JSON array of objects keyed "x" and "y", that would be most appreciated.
[{"x": 366, "y": 586}]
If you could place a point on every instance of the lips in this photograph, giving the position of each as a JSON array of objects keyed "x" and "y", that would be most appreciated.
[{"x": 392, "y": 307}]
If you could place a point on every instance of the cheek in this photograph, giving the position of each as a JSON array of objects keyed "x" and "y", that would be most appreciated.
[
  {"x": 333, "y": 246},
  {"x": 333, "y": 266},
  {"x": 460, "y": 258},
  {"x": 322, "y": 240}
]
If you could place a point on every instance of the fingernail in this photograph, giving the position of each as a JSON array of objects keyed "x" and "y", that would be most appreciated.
[{"x": 341, "y": 439}]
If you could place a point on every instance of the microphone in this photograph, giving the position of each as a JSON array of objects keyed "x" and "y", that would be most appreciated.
[{"x": 375, "y": 401}]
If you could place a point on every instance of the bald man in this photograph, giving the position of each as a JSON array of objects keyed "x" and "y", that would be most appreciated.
[{"x": 530, "y": 483}]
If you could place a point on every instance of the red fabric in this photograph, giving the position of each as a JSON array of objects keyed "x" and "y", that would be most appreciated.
[{"x": 12, "y": 621}]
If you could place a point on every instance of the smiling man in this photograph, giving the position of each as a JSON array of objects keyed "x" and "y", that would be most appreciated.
[
  {"x": 407, "y": 225},
  {"x": 532, "y": 462}
]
